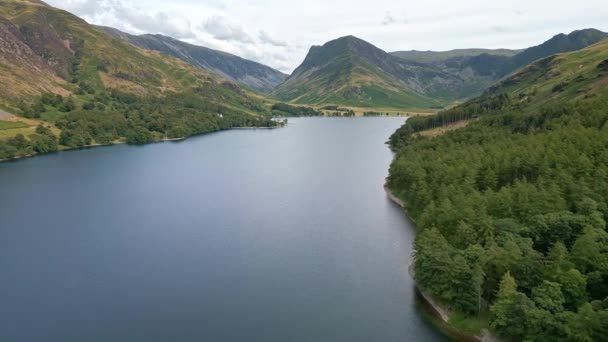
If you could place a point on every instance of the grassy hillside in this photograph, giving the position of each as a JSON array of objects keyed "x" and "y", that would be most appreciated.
[
  {"x": 66, "y": 74},
  {"x": 560, "y": 43},
  {"x": 511, "y": 207},
  {"x": 478, "y": 69},
  {"x": 579, "y": 75},
  {"x": 351, "y": 72}
]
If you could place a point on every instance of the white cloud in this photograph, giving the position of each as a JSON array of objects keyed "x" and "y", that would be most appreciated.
[
  {"x": 267, "y": 39},
  {"x": 122, "y": 15},
  {"x": 259, "y": 29},
  {"x": 388, "y": 19},
  {"x": 391, "y": 19},
  {"x": 222, "y": 29}
]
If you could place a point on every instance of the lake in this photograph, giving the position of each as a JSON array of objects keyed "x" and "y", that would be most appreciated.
[{"x": 243, "y": 235}]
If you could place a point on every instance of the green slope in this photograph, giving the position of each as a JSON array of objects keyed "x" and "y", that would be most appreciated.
[
  {"x": 479, "y": 69},
  {"x": 349, "y": 71},
  {"x": 579, "y": 75},
  {"x": 511, "y": 209}
]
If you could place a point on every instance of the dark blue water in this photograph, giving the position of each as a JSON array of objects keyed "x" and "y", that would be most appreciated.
[{"x": 246, "y": 235}]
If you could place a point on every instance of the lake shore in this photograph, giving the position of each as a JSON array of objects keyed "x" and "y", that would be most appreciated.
[
  {"x": 122, "y": 142},
  {"x": 438, "y": 310}
]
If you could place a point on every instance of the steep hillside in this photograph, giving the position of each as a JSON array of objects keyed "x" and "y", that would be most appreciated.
[
  {"x": 350, "y": 71},
  {"x": 478, "y": 68},
  {"x": 99, "y": 89},
  {"x": 568, "y": 77},
  {"x": 511, "y": 209},
  {"x": 560, "y": 43},
  {"x": 248, "y": 73}
]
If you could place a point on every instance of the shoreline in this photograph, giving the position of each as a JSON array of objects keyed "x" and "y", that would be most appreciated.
[
  {"x": 121, "y": 142},
  {"x": 439, "y": 311}
]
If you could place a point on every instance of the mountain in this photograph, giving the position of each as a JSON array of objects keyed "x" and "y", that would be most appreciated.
[
  {"x": 510, "y": 202},
  {"x": 349, "y": 71},
  {"x": 560, "y": 43},
  {"x": 479, "y": 68},
  {"x": 570, "y": 76},
  {"x": 428, "y": 57},
  {"x": 248, "y": 73},
  {"x": 91, "y": 87}
]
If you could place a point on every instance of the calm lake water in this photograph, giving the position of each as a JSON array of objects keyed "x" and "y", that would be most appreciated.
[{"x": 244, "y": 235}]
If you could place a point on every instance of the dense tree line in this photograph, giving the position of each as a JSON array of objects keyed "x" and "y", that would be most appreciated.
[
  {"x": 512, "y": 213},
  {"x": 470, "y": 110},
  {"x": 284, "y": 109},
  {"x": 143, "y": 121},
  {"x": 349, "y": 113}
]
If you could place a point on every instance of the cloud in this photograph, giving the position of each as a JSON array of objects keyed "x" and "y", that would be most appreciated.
[
  {"x": 81, "y": 7},
  {"x": 160, "y": 22},
  {"x": 388, "y": 19},
  {"x": 500, "y": 29},
  {"x": 133, "y": 19},
  {"x": 267, "y": 39},
  {"x": 259, "y": 29},
  {"x": 220, "y": 28}
]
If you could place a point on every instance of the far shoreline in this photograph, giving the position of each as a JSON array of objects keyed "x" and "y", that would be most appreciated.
[{"x": 122, "y": 142}]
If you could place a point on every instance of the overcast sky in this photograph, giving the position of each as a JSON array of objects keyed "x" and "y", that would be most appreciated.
[{"x": 280, "y": 32}]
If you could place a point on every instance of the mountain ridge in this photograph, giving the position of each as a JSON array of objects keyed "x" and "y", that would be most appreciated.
[
  {"x": 430, "y": 56},
  {"x": 351, "y": 71},
  {"x": 254, "y": 75}
]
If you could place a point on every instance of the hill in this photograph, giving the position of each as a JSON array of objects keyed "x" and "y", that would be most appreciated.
[
  {"x": 254, "y": 75},
  {"x": 93, "y": 88},
  {"x": 479, "y": 69},
  {"x": 349, "y": 71},
  {"x": 511, "y": 206},
  {"x": 560, "y": 43}
]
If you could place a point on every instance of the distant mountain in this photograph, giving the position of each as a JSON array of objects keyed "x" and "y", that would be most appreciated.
[
  {"x": 428, "y": 57},
  {"x": 479, "y": 68},
  {"x": 254, "y": 75},
  {"x": 569, "y": 76},
  {"x": 350, "y": 71},
  {"x": 558, "y": 44}
]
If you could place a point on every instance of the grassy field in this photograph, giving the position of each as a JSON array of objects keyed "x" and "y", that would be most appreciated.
[
  {"x": 18, "y": 125},
  {"x": 435, "y": 132},
  {"x": 359, "y": 111},
  {"x": 7, "y": 125}
]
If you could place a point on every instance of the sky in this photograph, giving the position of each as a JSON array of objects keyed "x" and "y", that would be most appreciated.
[{"x": 279, "y": 33}]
